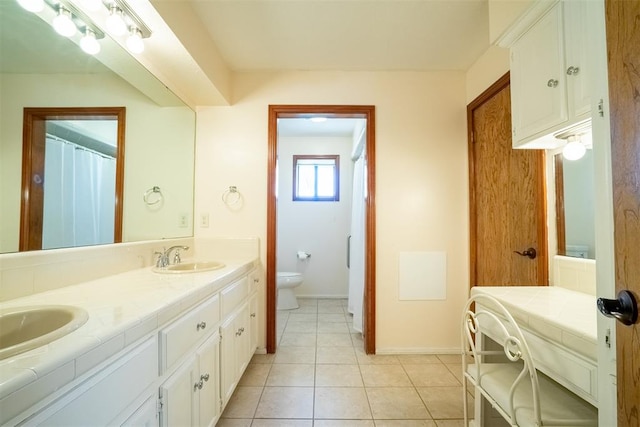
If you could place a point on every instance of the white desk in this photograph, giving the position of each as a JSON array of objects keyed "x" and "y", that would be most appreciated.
[{"x": 560, "y": 326}]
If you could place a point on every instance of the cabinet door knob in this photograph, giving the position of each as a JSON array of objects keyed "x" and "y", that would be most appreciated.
[
  {"x": 198, "y": 385},
  {"x": 253, "y": 315},
  {"x": 552, "y": 83},
  {"x": 572, "y": 71},
  {"x": 204, "y": 377},
  {"x": 201, "y": 325}
]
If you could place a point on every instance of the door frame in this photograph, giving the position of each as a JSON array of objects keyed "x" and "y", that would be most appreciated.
[
  {"x": 331, "y": 111},
  {"x": 542, "y": 258},
  {"x": 33, "y": 141}
]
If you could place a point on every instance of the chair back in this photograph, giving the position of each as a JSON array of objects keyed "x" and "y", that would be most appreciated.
[{"x": 484, "y": 316}]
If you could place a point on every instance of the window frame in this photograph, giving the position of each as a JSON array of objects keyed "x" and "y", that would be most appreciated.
[{"x": 336, "y": 178}]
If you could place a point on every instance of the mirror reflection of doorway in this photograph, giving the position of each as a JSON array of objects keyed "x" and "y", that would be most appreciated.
[
  {"x": 276, "y": 115},
  {"x": 72, "y": 171}
]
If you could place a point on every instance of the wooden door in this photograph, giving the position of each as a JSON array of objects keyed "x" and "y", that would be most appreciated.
[
  {"x": 507, "y": 198},
  {"x": 623, "y": 46}
]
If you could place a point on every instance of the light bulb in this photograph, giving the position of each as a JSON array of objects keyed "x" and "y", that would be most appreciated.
[
  {"x": 115, "y": 22},
  {"x": 63, "y": 24},
  {"x": 88, "y": 42},
  {"x": 134, "y": 41},
  {"x": 574, "y": 149},
  {"x": 32, "y": 5}
]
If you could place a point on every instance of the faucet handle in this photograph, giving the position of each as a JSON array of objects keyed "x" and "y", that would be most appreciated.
[
  {"x": 159, "y": 259},
  {"x": 176, "y": 257}
]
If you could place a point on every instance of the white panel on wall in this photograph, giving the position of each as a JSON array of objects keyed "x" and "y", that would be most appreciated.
[{"x": 423, "y": 276}]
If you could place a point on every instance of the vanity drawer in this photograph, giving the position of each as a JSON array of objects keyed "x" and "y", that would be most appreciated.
[
  {"x": 233, "y": 295},
  {"x": 179, "y": 337}
]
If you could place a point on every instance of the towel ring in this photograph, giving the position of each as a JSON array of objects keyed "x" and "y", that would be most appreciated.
[
  {"x": 231, "y": 196},
  {"x": 147, "y": 196}
]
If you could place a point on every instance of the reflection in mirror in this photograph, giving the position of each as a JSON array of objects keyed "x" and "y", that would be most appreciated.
[
  {"x": 575, "y": 206},
  {"x": 41, "y": 69},
  {"x": 72, "y": 170}
]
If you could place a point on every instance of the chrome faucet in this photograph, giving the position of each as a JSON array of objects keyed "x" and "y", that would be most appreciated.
[{"x": 164, "y": 256}]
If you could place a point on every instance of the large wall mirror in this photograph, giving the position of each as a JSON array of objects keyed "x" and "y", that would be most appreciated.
[
  {"x": 575, "y": 223},
  {"x": 39, "y": 69}
]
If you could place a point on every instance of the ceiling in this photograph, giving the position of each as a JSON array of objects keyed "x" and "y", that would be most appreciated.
[{"x": 351, "y": 35}]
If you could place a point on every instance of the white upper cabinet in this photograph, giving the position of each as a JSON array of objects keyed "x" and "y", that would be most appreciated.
[
  {"x": 576, "y": 57},
  {"x": 549, "y": 85}
]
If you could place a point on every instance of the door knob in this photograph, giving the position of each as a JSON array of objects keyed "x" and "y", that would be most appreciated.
[
  {"x": 529, "y": 252},
  {"x": 623, "y": 309}
]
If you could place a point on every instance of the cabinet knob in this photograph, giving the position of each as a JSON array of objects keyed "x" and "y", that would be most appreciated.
[
  {"x": 253, "y": 315},
  {"x": 198, "y": 385},
  {"x": 204, "y": 377},
  {"x": 201, "y": 325},
  {"x": 552, "y": 83},
  {"x": 572, "y": 71}
]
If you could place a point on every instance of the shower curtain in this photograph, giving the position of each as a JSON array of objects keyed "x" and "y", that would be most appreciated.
[
  {"x": 79, "y": 196},
  {"x": 357, "y": 245}
]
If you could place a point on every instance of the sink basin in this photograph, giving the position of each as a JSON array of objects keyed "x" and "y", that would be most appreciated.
[
  {"x": 25, "y": 328},
  {"x": 190, "y": 267}
]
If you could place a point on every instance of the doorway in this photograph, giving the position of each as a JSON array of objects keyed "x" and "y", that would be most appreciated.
[
  {"x": 306, "y": 111},
  {"x": 77, "y": 154}
]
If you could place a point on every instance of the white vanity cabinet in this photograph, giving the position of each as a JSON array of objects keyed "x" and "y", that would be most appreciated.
[
  {"x": 549, "y": 85},
  {"x": 235, "y": 351},
  {"x": 174, "y": 374},
  {"x": 105, "y": 397},
  {"x": 191, "y": 395}
]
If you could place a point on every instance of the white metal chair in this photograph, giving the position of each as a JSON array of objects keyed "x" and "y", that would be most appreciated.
[{"x": 507, "y": 377}]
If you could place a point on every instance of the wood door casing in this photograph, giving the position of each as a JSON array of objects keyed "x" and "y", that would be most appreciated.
[
  {"x": 33, "y": 160},
  {"x": 623, "y": 41},
  {"x": 344, "y": 111},
  {"x": 507, "y": 196}
]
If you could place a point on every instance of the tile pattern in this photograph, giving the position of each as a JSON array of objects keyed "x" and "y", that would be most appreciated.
[{"x": 321, "y": 377}]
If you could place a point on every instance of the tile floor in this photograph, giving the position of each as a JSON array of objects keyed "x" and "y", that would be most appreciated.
[{"x": 321, "y": 377}]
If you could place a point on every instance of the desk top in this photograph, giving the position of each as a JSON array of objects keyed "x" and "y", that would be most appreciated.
[{"x": 558, "y": 314}]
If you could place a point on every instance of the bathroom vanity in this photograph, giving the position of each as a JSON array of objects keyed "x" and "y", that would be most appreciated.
[
  {"x": 560, "y": 326},
  {"x": 158, "y": 349}
]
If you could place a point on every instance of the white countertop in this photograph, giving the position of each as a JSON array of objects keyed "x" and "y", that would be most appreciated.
[
  {"x": 122, "y": 309},
  {"x": 558, "y": 314}
]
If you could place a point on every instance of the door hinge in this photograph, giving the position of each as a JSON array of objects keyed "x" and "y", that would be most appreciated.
[
  {"x": 221, "y": 405},
  {"x": 601, "y": 107},
  {"x": 159, "y": 405},
  {"x": 607, "y": 338}
]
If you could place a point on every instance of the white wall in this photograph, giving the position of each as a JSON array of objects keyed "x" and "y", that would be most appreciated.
[
  {"x": 319, "y": 228},
  {"x": 158, "y": 149},
  {"x": 421, "y": 180}
]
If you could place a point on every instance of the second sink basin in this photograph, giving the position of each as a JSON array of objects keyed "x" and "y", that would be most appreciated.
[
  {"x": 25, "y": 328},
  {"x": 190, "y": 267}
]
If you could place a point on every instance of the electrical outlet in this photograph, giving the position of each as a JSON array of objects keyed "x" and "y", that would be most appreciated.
[
  {"x": 204, "y": 220},
  {"x": 183, "y": 221}
]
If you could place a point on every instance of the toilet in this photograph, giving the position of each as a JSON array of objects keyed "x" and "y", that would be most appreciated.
[{"x": 286, "y": 282}]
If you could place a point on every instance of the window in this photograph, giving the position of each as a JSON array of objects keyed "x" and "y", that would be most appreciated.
[{"x": 316, "y": 178}]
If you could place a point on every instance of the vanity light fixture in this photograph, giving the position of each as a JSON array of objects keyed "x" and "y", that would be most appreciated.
[
  {"x": 134, "y": 41},
  {"x": 32, "y": 5},
  {"x": 88, "y": 42},
  {"x": 115, "y": 22},
  {"x": 575, "y": 149},
  {"x": 63, "y": 23}
]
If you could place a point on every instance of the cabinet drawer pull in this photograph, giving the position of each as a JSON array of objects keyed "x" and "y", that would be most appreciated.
[
  {"x": 198, "y": 385},
  {"x": 253, "y": 315},
  {"x": 552, "y": 83},
  {"x": 204, "y": 377},
  {"x": 201, "y": 325},
  {"x": 572, "y": 71}
]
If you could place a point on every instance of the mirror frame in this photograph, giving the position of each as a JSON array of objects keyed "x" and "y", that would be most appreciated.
[
  {"x": 33, "y": 130},
  {"x": 559, "y": 186}
]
